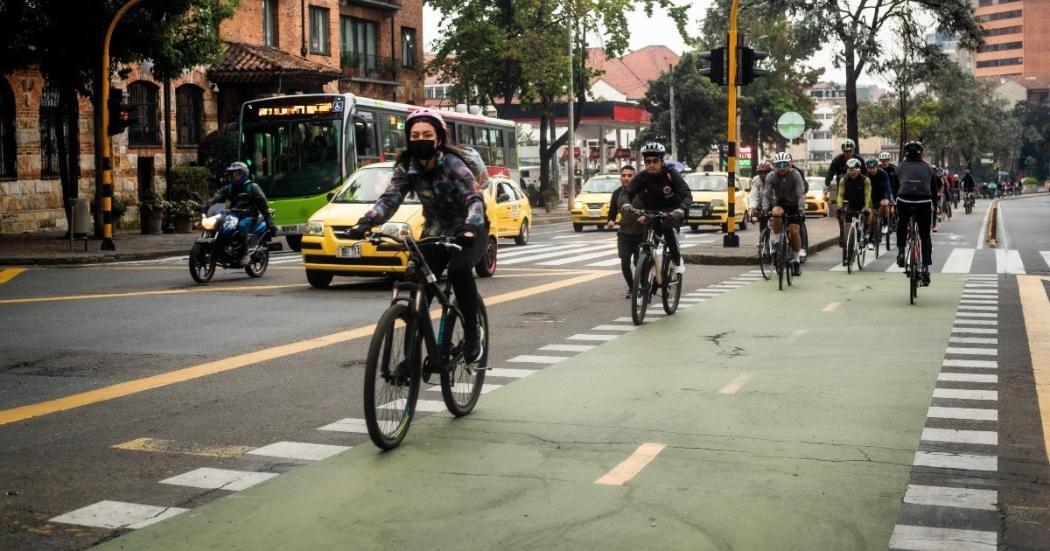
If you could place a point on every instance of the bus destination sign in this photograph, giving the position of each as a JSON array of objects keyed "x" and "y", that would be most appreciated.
[{"x": 300, "y": 109}]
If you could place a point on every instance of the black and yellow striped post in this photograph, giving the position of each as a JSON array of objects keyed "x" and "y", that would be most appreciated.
[
  {"x": 107, "y": 154},
  {"x": 731, "y": 239}
]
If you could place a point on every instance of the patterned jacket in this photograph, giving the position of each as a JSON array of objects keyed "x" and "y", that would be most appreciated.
[{"x": 448, "y": 196}]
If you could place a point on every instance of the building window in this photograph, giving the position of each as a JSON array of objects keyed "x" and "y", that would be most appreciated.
[
  {"x": 358, "y": 43},
  {"x": 408, "y": 47},
  {"x": 319, "y": 30},
  {"x": 1000, "y": 62},
  {"x": 999, "y": 47},
  {"x": 50, "y": 118},
  {"x": 144, "y": 131},
  {"x": 270, "y": 23},
  {"x": 999, "y": 16},
  {"x": 1017, "y": 29},
  {"x": 189, "y": 114},
  {"x": 7, "y": 131}
]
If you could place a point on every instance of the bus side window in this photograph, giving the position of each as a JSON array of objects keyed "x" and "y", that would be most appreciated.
[
  {"x": 496, "y": 141},
  {"x": 512, "y": 148},
  {"x": 452, "y": 136},
  {"x": 393, "y": 135},
  {"x": 466, "y": 135},
  {"x": 365, "y": 135},
  {"x": 481, "y": 139}
]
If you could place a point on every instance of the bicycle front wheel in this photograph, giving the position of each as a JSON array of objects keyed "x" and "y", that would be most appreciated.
[
  {"x": 851, "y": 248},
  {"x": 862, "y": 249},
  {"x": 461, "y": 382},
  {"x": 672, "y": 290},
  {"x": 641, "y": 288},
  {"x": 780, "y": 260},
  {"x": 392, "y": 377},
  {"x": 765, "y": 257}
]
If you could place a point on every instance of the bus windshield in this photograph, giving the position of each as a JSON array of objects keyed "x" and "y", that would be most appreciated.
[
  {"x": 294, "y": 158},
  {"x": 366, "y": 185},
  {"x": 602, "y": 184},
  {"x": 706, "y": 182}
]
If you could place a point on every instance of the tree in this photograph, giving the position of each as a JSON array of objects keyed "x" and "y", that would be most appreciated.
[
  {"x": 65, "y": 42},
  {"x": 859, "y": 25},
  {"x": 1034, "y": 122}
]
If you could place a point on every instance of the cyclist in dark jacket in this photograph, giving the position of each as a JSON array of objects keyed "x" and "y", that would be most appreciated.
[
  {"x": 919, "y": 185},
  {"x": 660, "y": 188},
  {"x": 836, "y": 171}
]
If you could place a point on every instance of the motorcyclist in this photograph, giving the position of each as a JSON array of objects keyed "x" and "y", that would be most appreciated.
[
  {"x": 438, "y": 173},
  {"x": 248, "y": 198}
]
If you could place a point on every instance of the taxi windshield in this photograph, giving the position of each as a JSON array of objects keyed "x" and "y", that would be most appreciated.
[
  {"x": 706, "y": 182},
  {"x": 366, "y": 185},
  {"x": 602, "y": 184},
  {"x": 816, "y": 184}
]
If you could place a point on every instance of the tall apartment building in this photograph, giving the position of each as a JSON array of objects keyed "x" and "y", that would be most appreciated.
[{"x": 1016, "y": 41}]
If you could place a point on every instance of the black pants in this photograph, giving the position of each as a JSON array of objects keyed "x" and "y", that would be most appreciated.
[
  {"x": 666, "y": 229},
  {"x": 627, "y": 247},
  {"x": 460, "y": 265},
  {"x": 922, "y": 210}
]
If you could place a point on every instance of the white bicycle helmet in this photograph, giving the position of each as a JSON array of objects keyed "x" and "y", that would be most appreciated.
[
  {"x": 848, "y": 144},
  {"x": 853, "y": 163},
  {"x": 653, "y": 149},
  {"x": 781, "y": 159},
  {"x": 884, "y": 156}
]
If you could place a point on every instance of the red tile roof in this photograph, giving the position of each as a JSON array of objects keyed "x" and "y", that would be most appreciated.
[
  {"x": 1033, "y": 82},
  {"x": 631, "y": 74},
  {"x": 252, "y": 63}
]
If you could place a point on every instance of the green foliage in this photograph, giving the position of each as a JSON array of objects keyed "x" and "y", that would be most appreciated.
[
  {"x": 151, "y": 203},
  {"x": 188, "y": 181},
  {"x": 1029, "y": 181},
  {"x": 700, "y": 111},
  {"x": 1034, "y": 123},
  {"x": 216, "y": 151}
]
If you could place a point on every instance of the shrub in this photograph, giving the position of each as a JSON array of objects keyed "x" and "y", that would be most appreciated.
[
  {"x": 188, "y": 182},
  {"x": 216, "y": 151},
  {"x": 1029, "y": 181}
]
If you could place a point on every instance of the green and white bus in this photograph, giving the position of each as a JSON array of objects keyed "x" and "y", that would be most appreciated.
[{"x": 302, "y": 147}]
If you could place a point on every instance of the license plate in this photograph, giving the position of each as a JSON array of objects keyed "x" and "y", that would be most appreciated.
[
  {"x": 594, "y": 213},
  {"x": 353, "y": 251}
]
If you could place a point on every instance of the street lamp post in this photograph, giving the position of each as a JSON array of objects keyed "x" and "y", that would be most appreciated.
[
  {"x": 571, "y": 166},
  {"x": 107, "y": 154}
]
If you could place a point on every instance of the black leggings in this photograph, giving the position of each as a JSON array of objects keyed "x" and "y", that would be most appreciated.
[
  {"x": 460, "y": 264},
  {"x": 666, "y": 228},
  {"x": 627, "y": 247},
  {"x": 923, "y": 212}
]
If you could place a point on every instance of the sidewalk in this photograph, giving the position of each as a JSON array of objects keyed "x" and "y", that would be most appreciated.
[
  {"x": 823, "y": 233},
  {"x": 51, "y": 248},
  {"x": 676, "y": 435}
]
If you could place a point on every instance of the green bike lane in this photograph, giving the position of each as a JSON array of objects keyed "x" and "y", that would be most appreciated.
[{"x": 786, "y": 426}]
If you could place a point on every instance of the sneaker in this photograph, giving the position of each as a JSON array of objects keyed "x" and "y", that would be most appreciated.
[
  {"x": 885, "y": 230},
  {"x": 679, "y": 268},
  {"x": 796, "y": 269},
  {"x": 246, "y": 260},
  {"x": 627, "y": 295},
  {"x": 472, "y": 348},
  {"x": 871, "y": 246},
  {"x": 935, "y": 229},
  {"x": 925, "y": 276},
  {"x": 900, "y": 260}
]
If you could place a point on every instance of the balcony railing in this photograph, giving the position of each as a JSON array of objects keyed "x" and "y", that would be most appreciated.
[{"x": 358, "y": 65}]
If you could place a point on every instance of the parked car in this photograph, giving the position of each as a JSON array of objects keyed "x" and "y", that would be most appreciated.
[{"x": 817, "y": 198}]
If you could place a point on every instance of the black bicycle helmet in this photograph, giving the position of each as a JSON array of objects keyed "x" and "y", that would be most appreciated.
[{"x": 913, "y": 150}]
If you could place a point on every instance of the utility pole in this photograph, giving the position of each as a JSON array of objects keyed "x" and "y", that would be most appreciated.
[
  {"x": 674, "y": 142},
  {"x": 571, "y": 167},
  {"x": 731, "y": 239},
  {"x": 107, "y": 154}
]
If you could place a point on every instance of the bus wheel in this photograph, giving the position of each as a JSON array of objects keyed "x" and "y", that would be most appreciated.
[
  {"x": 295, "y": 242},
  {"x": 486, "y": 267}
]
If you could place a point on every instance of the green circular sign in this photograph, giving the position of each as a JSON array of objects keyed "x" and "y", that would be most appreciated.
[{"x": 791, "y": 125}]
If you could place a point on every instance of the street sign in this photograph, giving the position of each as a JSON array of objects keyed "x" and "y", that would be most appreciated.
[
  {"x": 744, "y": 152},
  {"x": 743, "y": 163},
  {"x": 790, "y": 125}
]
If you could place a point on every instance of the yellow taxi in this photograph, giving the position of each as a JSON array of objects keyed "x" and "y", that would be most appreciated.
[
  {"x": 709, "y": 206},
  {"x": 592, "y": 204},
  {"x": 328, "y": 253},
  {"x": 817, "y": 198},
  {"x": 513, "y": 213}
]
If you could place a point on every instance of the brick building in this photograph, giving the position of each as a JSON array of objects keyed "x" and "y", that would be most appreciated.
[
  {"x": 366, "y": 47},
  {"x": 1016, "y": 42}
]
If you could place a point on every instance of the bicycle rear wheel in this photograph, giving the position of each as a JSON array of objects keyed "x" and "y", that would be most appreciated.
[
  {"x": 785, "y": 253},
  {"x": 803, "y": 234},
  {"x": 392, "y": 377},
  {"x": 862, "y": 248},
  {"x": 461, "y": 382},
  {"x": 641, "y": 288},
  {"x": 765, "y": 256},
  {"x": 672, "y": 287},
  {"x": 851, "y": 248},
  {"x": 779, "y": 261}
]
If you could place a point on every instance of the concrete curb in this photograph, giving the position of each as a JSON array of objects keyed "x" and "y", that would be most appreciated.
[
  {"x": 750, "y": 259},
  {"x": 98, "y": 258}
]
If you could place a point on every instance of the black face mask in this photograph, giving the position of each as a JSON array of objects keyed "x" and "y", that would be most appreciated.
[{"x": 424, "y": 150}]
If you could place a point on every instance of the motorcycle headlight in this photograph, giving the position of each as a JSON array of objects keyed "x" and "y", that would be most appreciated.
[
  {"x": 209, "y": 222},
  {"x": 396, "y": 229},
  {"x": 314, "y": 227},
  {"x": 578, "y": 205}
]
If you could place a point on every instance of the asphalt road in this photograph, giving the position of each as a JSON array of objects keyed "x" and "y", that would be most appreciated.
[{"x": 98, "y": 357}]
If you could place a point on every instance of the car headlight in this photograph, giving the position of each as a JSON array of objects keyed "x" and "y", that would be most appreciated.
[
  {"x": 314, "y": 227},
  {"x": 396, "y": 229},
  {"x": 577, "y": 205},
  {"x": 718, "y": 203},
  {"x": 209, "y": 222}
]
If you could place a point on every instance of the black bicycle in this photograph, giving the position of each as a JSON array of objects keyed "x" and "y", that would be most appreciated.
[
  {"x": 913, "y": 257},
  {"x": 397, "y": 361},
  {"x": 779, "y": 248},
  {"x": 969, "y": 201},
  {"x": 648, "y": 279}
]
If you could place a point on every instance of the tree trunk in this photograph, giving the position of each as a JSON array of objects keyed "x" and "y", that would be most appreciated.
[
  {"x": 96, "y": 103},
  {"x": 851, "y": 95},
  {"x": 168, "y": 227},
  {"x": 545, "y": 173}
]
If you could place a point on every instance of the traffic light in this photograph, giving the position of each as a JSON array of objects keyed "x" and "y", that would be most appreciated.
[
  {"x": 717, "y": 71},
  {"x": 119, "y": 113},
  {"x": 746, "y": 60}
]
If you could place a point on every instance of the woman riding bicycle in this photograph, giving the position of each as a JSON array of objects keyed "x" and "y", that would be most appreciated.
[{"x": 435, "y": 171}]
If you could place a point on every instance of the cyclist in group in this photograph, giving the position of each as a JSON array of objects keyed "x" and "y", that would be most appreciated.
[
  {"x": 881, "y": 195},
  {"x": 918, "y": 188},
  {"x": 939, "y": 196},
  {"x": 784, "y": 197},
  {"x": 969, "y": 186},
  {"x": 437, "y": 173},
  {"x": 755, "y": 198},
  {"x": 836, "y": 171},
  {"x": 660, "y": 188},
  {"x": 854, "y": 197},
  {"x": 245, "y": 196},
  {"x": 890, "y": 169},
  {"x": 630, "y": 233}
]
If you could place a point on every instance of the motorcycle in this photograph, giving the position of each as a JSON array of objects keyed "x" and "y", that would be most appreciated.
[{"x": 220, "y": 245}]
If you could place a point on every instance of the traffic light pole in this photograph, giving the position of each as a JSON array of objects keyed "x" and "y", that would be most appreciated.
[
  {"x": 731, "y": 239},
  {"x": 107, "y": 154}
]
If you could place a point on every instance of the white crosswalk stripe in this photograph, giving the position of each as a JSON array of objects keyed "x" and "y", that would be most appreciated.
[
  {"x": 1046, "y": 257},
  {"x": 959, "y": 261}
]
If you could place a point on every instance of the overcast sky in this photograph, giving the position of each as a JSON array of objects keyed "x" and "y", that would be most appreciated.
[{"x": 661, "y": 30}]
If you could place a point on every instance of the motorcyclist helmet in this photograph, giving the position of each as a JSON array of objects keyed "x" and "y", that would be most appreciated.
[
  {"x": 237, "y": 173},
  {"x": 653, "y": 149},
  {"x": 848, "y": 145}
]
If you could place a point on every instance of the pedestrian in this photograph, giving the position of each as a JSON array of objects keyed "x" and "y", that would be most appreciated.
[{"x": 629, "y": 235}]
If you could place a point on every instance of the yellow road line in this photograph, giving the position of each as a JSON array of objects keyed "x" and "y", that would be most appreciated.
[
  {"x": 631, "y": 466},
  {"x": 135, "y": 386},
  {"x": 9, "y": 274},
  {"x": 1036, "y": 310},
  {"x": 182, "y": 448},
  {"x": 193, "y": 290}
]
